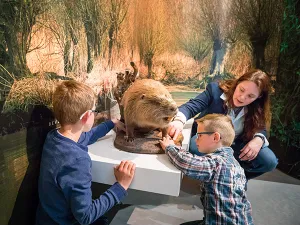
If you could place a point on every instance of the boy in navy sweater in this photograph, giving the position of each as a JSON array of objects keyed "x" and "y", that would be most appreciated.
[{"x": 65, "y": 173}]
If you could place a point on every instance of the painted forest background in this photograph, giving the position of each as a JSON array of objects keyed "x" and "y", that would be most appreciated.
[
  {"x": 181, "y": 38},
  {"x": 186, "y": 42},
  {"x": 176, "y": 41}
]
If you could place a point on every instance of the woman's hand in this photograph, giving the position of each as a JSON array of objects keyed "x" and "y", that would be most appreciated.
[
  {"x": 166, "y": 142},
  {"x": 251, "y": 150},
  {"x": 175, "y": 128}
]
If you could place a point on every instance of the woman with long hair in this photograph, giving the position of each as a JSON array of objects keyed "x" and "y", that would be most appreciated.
[{"x": 246, "y": 100}]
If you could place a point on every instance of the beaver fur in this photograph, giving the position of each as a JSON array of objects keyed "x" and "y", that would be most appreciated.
[{"x": 147, "y": 105}]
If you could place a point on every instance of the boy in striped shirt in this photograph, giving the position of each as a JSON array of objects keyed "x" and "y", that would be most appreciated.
[{"x": 224, "y": 180}]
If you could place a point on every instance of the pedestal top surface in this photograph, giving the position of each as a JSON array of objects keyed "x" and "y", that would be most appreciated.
[
  {"x": 154, "y": 172},
  {"x": 105, "y": 151}
]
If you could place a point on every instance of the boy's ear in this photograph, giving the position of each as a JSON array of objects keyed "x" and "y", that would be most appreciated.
[
  {"x": 217, "y": 137},
  {"x": 85, "y": 117}
]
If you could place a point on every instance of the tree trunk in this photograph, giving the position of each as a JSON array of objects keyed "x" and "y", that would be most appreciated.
[
  {"x": 90, "y": 60},
  {"x": 67, "y": 60},
  {"x": 110, "y": 43},
  {"x": 90, "y": 39},
  {"x": 75, "y": 55},
  {"x": 259, "y": 46},
  {"x": 218, "y": 59},
  {"x": 98, "y": 49},
  {"x": 148, "y": 59},
  {"x": 90, "y": 47},
  {"x": 150, "y": 69},
  {"x": 17, "y": 55}
]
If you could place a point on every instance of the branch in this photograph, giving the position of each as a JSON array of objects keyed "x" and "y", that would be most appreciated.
[{"x": 11, "y": 75}]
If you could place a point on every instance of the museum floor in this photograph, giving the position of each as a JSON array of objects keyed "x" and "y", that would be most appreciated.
[{"x": 275, "y": 199}]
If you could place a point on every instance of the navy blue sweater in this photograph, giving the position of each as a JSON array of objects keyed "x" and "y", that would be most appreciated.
[
  {"x": 207, "y": 102},
  {"x": 65, "y": 180}
]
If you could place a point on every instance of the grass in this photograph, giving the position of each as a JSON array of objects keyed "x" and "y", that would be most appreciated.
[
  {"x": 184, "y": 95},
  {"x": 30, "y": 91}
]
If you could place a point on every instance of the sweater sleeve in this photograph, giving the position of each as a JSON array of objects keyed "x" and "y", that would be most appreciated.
[
  {"x": 198, "y": 104},
  {"x": 75, "y": 182},
  {"x": 198, "y": 167},
  {"x": 95, "y": 133}
]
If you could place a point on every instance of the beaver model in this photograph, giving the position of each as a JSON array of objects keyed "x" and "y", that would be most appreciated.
[{"x": 147, "y": 105}]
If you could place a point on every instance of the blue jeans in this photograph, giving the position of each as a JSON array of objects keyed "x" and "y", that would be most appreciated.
[{"x": 264, "y": 162}]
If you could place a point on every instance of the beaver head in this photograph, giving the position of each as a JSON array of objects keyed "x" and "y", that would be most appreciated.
[
  {"x": 147, "y": 104},
  {"x": 157, "y": 109}
]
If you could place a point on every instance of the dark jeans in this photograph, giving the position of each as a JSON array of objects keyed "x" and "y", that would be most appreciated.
[{"x": 264, "y": 162}]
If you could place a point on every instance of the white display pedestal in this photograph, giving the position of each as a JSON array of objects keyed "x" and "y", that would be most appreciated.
[{"x": 153, "y": 173}]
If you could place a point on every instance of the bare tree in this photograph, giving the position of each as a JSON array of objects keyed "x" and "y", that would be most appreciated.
[
  {"x": 94, "y": 18},
  {"x": 64, "y": 22},
  {"x": 17, "y": 19},
  {"x": 117, "y": 13},
  {"x": 259, "y": 20},
  {"x": 151, "y": 30},
  {"x": 188, "y": 32},
  {"x": 217, "y": 24},
  {"x": 71, "y": 26}
]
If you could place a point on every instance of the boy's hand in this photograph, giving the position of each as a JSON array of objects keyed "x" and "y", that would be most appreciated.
[
  {"x": 165, "y": 142},
  {"x": 119, "y": 125},
  {"x": 124, "y": 173}
]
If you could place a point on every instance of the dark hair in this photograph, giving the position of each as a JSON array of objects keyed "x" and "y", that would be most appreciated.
[{"x": 258, "y": 114}]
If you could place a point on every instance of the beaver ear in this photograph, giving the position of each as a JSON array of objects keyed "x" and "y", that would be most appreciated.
[{"x": 143, "y": 96}]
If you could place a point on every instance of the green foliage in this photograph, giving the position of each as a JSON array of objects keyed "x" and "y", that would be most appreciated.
[
  {"x": 195, "y": 83},
  {"x": 197, "y": 48},
  {"x": 201, "y": 84},
  {"x": 288, "y": 134},
  {"x": 170, "y": 78},
  {"x": 286, "y": 102}
]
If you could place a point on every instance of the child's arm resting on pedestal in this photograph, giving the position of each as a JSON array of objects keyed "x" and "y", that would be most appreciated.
[{"x": 198, "y": 167}]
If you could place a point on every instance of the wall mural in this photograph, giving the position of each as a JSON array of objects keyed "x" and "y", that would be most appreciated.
[{"x": 178, "y": 42}]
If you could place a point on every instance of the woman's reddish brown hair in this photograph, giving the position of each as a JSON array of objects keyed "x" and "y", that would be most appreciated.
[{"x": 258, "y": 114}]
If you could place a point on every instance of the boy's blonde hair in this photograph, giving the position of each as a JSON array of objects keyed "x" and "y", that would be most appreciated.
[
  {"x": 70, "y": 100},
  {"x": 221, "y": 124}
]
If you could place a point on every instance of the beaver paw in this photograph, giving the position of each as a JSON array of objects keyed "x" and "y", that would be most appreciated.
[{"x": 128, "y": 139}]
